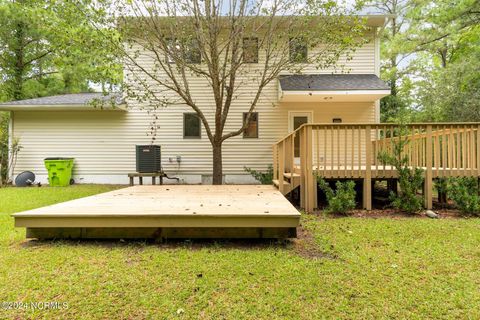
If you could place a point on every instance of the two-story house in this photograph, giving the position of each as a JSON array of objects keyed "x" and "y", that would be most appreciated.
[{"x": 102, "y": 141}]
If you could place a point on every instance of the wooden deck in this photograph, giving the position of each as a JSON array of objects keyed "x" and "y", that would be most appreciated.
[
  {"x": 179, "y": 211},
  {"x": 354, "y": 151}
]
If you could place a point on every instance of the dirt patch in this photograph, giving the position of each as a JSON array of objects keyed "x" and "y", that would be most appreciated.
[
  {"x": 443, "y": 213},
  {"x": 304, "y": 245}
]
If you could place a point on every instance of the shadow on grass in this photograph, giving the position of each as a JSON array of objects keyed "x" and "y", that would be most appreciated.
[{"x": 304, "y": 245}]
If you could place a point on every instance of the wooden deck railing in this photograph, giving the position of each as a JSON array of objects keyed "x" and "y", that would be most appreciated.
[{"x": 351, "y": 151}]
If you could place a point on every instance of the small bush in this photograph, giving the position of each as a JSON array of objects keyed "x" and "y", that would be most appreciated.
[
  {"x": 464, "y": 193},
  {"x": 263, "y": 177},
  {"x": 340, "y": 200},
  {"x": 409, "y": 179},
  {"x": 441, "y": 184}
]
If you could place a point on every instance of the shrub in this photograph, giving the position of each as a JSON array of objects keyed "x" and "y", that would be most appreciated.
[
  {"x": 409, "y": 179},
  {"x": 340, "y": 200},
  {"x": 263, "y": 177},
  {"x": 464, "y": 193},
  {"x": 441, "y": 184}
]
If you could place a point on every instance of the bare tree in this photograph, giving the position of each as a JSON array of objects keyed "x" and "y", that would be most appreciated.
[{"x": 185, "y": 40}]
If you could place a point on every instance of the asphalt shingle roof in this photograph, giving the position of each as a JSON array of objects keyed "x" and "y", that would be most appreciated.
[
  {"x": 332, "y": 82},
  {"x": 67, "y": 99}
]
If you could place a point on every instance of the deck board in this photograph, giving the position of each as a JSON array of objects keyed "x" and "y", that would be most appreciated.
[{"x": 181, "y": 206}]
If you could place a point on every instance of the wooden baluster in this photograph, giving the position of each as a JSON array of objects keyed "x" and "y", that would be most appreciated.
[
  {"x": 444, "y": 151},
  {"x": 312, "y": 182},
  {"x": 338, "y": 152},
  {"x": 384, "y": 148},
  {"x": 367, "y": 181},
  {"x": 375, "y": 150},
  {"x": 436, "y": 150},
  {"x": 360, "y": 151},
  {"x": 477, "y": 150},
  {"x": 292, "y": 157},
  {"x": 428, "y": 185},
  {"x": 352, "y": 163},
  {"x": 325, "y": 150},
  {"x": 464, "y": 150},
  {"x": 410, "y": 147},
  {"x": 451, "y": 151},
  {"x": 471, "y": 150},
  {"x": 345, "y": 132},
  {"x": 287, "y": 154},
  {"x": 275, "y": 162},
  {"x": 324, "y": 130},
  {"x": 317, "y": 134},
  {"x": 332, "y": 144}
]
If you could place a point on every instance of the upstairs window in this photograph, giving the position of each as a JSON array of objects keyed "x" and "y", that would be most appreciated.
[
  {"x": 191, "y": 52},
  {"x": 173, "y": 47},
  {"x": 252, "y": 127},
  {"x": 191, "y": 126},
  {"x": 298, "y": 50},
  {"x": 250, "y": 50}
]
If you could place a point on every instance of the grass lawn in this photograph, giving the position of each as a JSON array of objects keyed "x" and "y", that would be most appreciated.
[{"x": 346, "y": 268}]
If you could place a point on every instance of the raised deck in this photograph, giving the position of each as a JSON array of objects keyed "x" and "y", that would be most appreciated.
[
  {"x": 355, "y": 151},
  {"x": 190, "y": 211}
]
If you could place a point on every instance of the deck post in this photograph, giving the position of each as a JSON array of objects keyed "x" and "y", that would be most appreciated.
[
  {"x": 310, "y": 179},
  {"x": 303, "y": 165},
  {"x": 281, "y": 166},
  {"x": 367, "y": 181},
  {"x": 428, "y": 185},
  {"x": 275, "y": 162}
]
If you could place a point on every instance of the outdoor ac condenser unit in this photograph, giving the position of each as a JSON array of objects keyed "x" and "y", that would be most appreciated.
[{"x": 148, "y": 159}]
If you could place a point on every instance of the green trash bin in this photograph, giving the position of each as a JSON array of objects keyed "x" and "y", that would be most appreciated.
[{"x": 59, "y": 171}]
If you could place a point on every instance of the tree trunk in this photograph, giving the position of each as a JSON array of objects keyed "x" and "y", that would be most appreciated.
[
  {"x": 217, "y": 177},
  {"x": 19, "y": 67}
]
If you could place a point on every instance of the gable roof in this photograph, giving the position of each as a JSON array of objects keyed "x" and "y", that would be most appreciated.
[
  {"x": 72, "y": 101},
  {"x": 332, "y": 82},
  {"x": 68, "y": 99}
]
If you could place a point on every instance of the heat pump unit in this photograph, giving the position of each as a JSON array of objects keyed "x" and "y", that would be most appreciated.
[{"x": 148, "y": 159}]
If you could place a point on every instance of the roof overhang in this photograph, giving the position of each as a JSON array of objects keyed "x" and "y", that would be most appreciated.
[
  {"x": 377, "y": 20},
  {"x": 331, "y": 88},
  {"x": 71, "y": 107},
  {"x": 333, "y": 96}
]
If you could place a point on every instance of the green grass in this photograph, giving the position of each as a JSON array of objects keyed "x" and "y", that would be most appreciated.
[{"x": 365, "y": 268}]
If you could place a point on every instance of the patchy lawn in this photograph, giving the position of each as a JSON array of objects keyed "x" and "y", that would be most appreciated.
[{"x": 340, "y": 268}]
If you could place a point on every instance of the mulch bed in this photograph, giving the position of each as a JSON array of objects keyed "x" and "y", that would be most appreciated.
[{"x": 443, "y": 213}]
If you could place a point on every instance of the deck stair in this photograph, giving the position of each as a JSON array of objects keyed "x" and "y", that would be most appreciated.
[{"x": 290, "y": 181}]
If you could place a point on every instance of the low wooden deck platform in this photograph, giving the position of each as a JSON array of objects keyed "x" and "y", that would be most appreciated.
[{"x": 181, "y": 211}]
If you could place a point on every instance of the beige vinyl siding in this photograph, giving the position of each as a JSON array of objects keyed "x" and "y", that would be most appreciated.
[{"x": 103, "y": 142}]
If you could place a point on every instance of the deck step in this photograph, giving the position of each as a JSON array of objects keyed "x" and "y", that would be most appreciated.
[
  {"x": 276, "y": 183},
  {"x": 290, "y": 175}
]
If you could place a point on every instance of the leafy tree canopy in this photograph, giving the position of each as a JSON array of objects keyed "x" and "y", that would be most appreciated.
[{"x": 47, "y": 48}]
